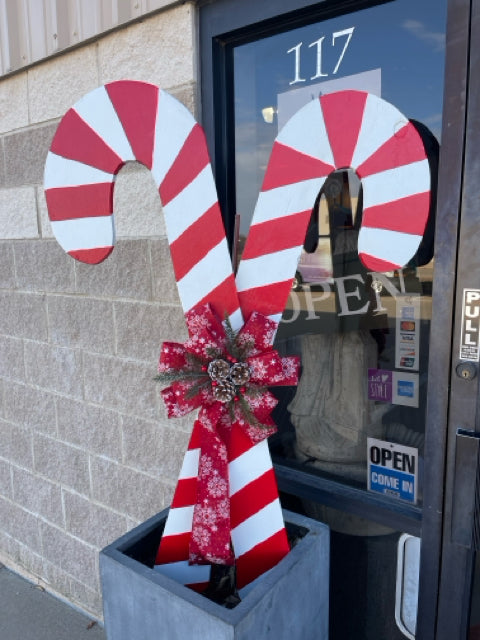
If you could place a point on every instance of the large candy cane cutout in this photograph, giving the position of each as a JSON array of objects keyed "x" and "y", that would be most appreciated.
[
  {"x": 340, "y": 130},
  {"x": 130, "y": 120}
]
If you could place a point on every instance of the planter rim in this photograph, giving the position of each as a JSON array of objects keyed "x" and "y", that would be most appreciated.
[{"x": 259, "y": 589}]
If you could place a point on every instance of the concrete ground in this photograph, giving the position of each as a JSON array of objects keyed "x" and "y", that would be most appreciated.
[{"x": 28, "y": 612}]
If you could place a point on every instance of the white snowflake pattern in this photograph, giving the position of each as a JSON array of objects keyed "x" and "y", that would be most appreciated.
[
  {"x": 217, "y": 487},
  {"x": 207, "y": 516},
  {"x": 201, "y": 535},
  {"x": 206, "y": 466}
]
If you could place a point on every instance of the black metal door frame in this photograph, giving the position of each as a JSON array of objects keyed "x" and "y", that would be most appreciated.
[{"x": 224, "y": 23}]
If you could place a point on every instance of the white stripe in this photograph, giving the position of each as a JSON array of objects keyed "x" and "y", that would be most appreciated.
[
  {"x": 179, "y": 520},
  {"x": 381, "y": 121},
  {"x": 267, "y": 269},
  {"x": 84, "y": 233},
  {"x": 185, "y": 573},
  {"x": 190, "y": 464},
  {"x": 249, "y": 466},
  {"x": 391, "y": 246},
  {"x": 205, "y": 276},
  {"x": 306, "y": 132},
  {"x": 173, "y": 125},
  {"x": 190, "y": 204},
  {"x": 62, "y": 172},
  {"x": 257, "y": 528},
  {"x": 394, "y": 184},
  {"x": 236, "y": 320},
  {"x": 98, "y": 112},
  {"x": 287, "y": 200}
]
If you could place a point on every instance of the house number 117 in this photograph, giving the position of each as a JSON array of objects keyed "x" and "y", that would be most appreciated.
[{"x": 346, "y": 33}]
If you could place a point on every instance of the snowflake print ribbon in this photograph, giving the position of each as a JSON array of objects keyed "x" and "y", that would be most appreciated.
[{"x": 225, "y": 374}]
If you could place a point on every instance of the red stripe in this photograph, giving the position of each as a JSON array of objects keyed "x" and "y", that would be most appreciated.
[
  {"x": 194, "y": 243},
  {"x": 261, "y": 558},
  {"x": 277, "y": 235},
  {"x": 287, "y": 166},
  {"x": 223, "y": 299},
  {"x": 91, "y": 256},
  {"x": 403, "y": 148},
  {"x": 173, "y": 548},
  {"x": 239, "y": 442},
  {"x": 192, "y": 158},
  {"x": 267, "y": 299},
  {"x": 375, "y": 264},
  {"x": 343, "y": 113},
  {"x": 75, "y": 140},
  {"x": 408, "y": 215},
  {"x": 83, "y": 201},
  {"x": 136, "y": 106},
  {"x": 186, "y": 493},
  {"x": 253, "y": 497},
  {"x": 195, "y": 438}
]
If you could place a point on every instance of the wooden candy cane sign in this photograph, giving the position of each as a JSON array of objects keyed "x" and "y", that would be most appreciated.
[{"x": 129, "y": 120}]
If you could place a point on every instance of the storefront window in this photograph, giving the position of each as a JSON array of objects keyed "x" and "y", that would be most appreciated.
[{"x": 362, "y": 336}]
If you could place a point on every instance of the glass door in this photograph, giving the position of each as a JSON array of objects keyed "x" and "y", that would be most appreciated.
[{"x": 361, "y": 439}]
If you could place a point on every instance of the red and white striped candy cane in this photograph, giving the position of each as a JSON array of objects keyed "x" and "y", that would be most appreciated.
[
  {"x": 340, "y": 130},
  {"x": 130, "y": 120}
]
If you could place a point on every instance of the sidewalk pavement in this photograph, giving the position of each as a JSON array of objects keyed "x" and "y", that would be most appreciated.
[{"x": 28, "y": 612}]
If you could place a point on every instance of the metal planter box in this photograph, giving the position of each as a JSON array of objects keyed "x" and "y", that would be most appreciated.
[{"x": 290, "y": 602}]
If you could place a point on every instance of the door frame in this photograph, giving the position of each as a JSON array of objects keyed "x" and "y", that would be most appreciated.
[{"x": 226, "y": 23}]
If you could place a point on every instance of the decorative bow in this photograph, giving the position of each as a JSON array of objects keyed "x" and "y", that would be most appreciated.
[{"x": 225, "y": 374}]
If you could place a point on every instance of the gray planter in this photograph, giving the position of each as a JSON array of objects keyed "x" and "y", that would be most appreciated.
[{"x": 290, "y": 602}]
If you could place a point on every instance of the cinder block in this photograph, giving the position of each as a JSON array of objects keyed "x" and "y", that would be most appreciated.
[
  {"x": 37, "y": 495},
  {"x": 13, "y": 102},
  {"x": 125, "y": 490},
  {"x": 72, "y": 589},
  {"x": 136, "y": 203},
  {"x": 290, "y": 602},
  {"x": 20, "y": 555},
  {"x": 81, "y": 322},
  {"x": 24, "y": 315},
  {"x": 25, "y": 154},
  {"x": 187, "y": 94},
  {"x": 54, "y": 368},
  {"x": 141, "y": 329},
  {"x": 19, "y": 524},
  {"x": 71, "y": 555},
  {"x": 18, "y": 213},
  {"x": 164, "y": 284},
  {"x": 42, "y": 265},
  {"x": 124, "y": 274},
  {"x": 160, "y": 49},
  {"x": 61, "y": 463},
  {"x": 7, "y": 270},
  {"x": 96, "y": 525},
  {"x": 67, "y": 77},
  {"x": 5, "y": 479},
  {"x": 11, "y": 358},
  {"x": 120, "y": 384},
  {"x": 152, "y": 448},
  {"x": 16, "y": 444},
  {"x": 29, "y": 407},
  {"x": 46, "y": 230},
  {"x": 95, "y": 429}
]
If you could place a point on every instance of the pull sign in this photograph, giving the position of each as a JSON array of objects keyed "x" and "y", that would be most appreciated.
[{"x": 470, "y": 341}]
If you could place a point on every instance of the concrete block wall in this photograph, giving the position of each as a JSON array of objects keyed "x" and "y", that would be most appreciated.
[{"x": 86, "y": 450}]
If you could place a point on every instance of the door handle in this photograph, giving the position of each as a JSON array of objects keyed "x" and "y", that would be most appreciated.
[{"x": 466, "y": 500}]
